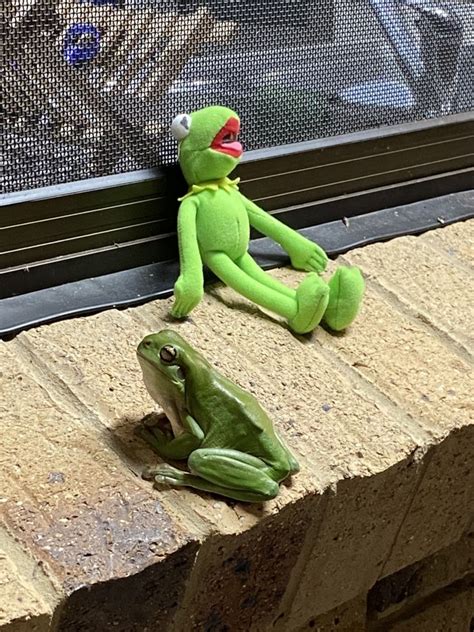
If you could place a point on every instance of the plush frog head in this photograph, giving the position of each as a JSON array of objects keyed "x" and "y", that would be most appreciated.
[{"x": 208, "y": 145}]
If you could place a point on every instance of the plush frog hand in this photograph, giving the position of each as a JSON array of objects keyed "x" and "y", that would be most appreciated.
[
  {"x": 214, "y": 222},
  {"x": 226, "y": 437}
]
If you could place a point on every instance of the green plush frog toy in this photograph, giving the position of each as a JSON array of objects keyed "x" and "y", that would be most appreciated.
[
  {"x": 221, "y": 430},
  {"x": 214, "y": 222}
]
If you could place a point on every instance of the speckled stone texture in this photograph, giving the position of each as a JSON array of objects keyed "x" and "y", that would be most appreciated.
[{"x": 380, "y": 419}]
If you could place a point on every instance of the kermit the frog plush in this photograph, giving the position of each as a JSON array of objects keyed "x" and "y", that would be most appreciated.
[
  {"x": 226, "y": 437},
  {"x": 214, "y": 222}
]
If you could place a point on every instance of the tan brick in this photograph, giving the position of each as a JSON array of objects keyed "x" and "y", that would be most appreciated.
[
  {"x": 450, "y": 612},
  {"x": 298, "y": 407},
  {"x": 326, "y": 413},
  {"x": 337, "y": 429},
  {"x": 406, "y": 361},
  {"x": 421, "y": 579},
  {"x": 94, "y": 358},
  {"x": 334, "y": 427},
  {"x": 348, "y": 617},
  {"x": 457, "y": 241},
  {"x": 425, "y": 280},
  {"x": 443, "y": 506},
  {"x": 351, "y": 424},
  {"x": 117, "y": 335},
  {"x": 98, "y": 373},
  {"x": 74, "y": 505}
]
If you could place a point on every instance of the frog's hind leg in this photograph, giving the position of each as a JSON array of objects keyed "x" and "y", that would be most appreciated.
[
  {"x": 229, "y": 473},
  {"x": 242, "y": 282},
  {"x": 346, "y": 289}
]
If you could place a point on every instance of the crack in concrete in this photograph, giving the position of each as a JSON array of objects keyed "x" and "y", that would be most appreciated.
[
  {"x": 421, "y": 476},
  {"x": 309, "y": 543}
]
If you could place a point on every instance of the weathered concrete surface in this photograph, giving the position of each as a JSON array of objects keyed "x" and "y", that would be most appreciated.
[
  {"x": 380, "y": 419},
  {"x": 73, "y": 504},
  {"x": 456, "y": 242},
  {"x": 432, "y": 284}
]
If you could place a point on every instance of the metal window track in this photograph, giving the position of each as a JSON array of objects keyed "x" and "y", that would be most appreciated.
[{"x": 144, "y": 283}]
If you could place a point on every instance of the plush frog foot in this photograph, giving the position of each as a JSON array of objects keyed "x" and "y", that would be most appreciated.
[
  {"x": 312, "y": 297},
  {"x": 346, "y": 289}
]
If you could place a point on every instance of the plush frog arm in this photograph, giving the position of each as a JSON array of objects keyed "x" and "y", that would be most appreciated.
[
  {"x": 304, "y": 254},
  {"x": 188, "y": 289}
]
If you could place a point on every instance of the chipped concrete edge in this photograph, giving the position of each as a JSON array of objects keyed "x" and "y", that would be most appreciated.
[{"x": 34, "y": 573}]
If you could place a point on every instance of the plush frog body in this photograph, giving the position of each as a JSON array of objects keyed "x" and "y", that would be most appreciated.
[
  {"x": 221, "y": 430},
  {"x": 214, "y": 222}
]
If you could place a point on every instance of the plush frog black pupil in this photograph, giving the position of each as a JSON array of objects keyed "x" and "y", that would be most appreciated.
[
  {"x": 214, "y": 223},
  {"x": 221, "y": 430}
]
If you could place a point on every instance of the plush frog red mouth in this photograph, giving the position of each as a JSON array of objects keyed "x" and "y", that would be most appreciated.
[{"x": 226, "y": 141}]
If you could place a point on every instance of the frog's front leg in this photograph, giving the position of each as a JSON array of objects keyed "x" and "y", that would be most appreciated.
[
  {"x": 226, "y": 472},
  {"x": 175, "y": 448}
]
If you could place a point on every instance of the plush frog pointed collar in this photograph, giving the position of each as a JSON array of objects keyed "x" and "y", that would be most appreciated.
[{"x": 213, "y": 185}]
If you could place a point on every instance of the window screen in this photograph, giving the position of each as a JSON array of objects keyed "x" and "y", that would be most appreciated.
[{"x": 90, "y": 87}]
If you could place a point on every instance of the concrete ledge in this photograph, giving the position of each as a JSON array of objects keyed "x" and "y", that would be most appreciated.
[{"x": 380, "y": 419}]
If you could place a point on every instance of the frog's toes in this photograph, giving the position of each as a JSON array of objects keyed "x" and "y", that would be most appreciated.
[
  {"x": 148, "y": 473},
  {"x": 346, "y": 289},
  {"x": 168, "y": 475},
  {"x": 162, "y": 479},
  {"x": 312, "y": 296},
  {"x": 154, "y": 419}
]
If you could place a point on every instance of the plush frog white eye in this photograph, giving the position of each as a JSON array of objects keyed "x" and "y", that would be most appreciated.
[{"x": 181, "y": 126}]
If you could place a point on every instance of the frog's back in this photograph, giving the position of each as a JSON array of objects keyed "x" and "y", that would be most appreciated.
[
  {"x": 230, "y": 416},
  {"x": 222, "y": 222}
]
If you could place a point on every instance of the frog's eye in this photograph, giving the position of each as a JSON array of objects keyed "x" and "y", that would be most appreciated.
[
  {"x": 181, "y": 125},
  {"x": 168, "y": 354}
]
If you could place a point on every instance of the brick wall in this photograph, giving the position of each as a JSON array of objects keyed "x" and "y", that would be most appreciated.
[{"x": 374, "y": 534}]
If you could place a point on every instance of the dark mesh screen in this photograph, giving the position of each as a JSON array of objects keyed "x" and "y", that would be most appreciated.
[{"x": 89, "y": 88}]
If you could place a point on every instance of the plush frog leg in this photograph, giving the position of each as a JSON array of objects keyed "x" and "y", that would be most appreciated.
[
  {"x": 346, "y": 289},
  {"x": 229, "y": 272},
  {"x": 222, "y": 471},
  {"x": 304, "y": 308},
  {"x": 251, "y": 267},
  {"x": 176, "y": 448}
]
